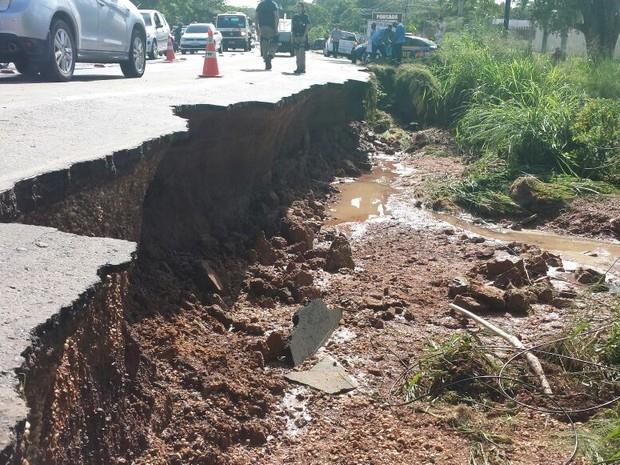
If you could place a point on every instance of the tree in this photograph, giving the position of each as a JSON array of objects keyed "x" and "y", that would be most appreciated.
[{"x": 598, "y": 20}]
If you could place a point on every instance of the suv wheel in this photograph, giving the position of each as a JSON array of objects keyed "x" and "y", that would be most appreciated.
[
  {"x": 154, "y": 53},
  {"x": 62, "y": 53},
  {"x": 134, "y": 67}
]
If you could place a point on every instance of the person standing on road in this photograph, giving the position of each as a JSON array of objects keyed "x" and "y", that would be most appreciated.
[
  {"x": 300, "y": 23},
  {"x": 267, "y": 18},
  {"x": 397, "y": 45},
  {"x": 336, "y": 36},
  {"x": 369, "y": 49},
  {"x": 377, "y": 40}
]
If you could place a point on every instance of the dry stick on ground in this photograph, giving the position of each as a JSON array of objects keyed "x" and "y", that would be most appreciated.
[{"x": 532, "y": 360}]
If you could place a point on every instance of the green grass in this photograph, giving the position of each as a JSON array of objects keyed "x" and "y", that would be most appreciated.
[{"x": 558, "y": 123}]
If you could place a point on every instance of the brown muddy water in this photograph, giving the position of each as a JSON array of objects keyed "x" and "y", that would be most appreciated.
[{"x": 380, "y": 194}]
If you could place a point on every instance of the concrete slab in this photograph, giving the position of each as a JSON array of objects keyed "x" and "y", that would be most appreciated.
[
  {"x": 43, "y": 270},
  {"x": 47, "y": 126},
  {"x": 314, "y": 324},
  {"x": 327, "y": 376}
]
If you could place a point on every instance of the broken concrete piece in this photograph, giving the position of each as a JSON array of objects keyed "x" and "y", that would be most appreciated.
[
  {"x": 314, "y": 324},
  {"x": 327, "y": 376}
]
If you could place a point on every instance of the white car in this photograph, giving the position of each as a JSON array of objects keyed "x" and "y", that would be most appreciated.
[
  {"x": 195, "y": 38},
  {"x": 348, "y": 42},
  {"x": 157, "y": 32},
  {"x": 50, "y": 36}
]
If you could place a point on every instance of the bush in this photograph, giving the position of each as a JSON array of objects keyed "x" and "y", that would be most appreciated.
[
  {"x": 596, "y": 130},
  {"x": 416, "y": 92},
  {"x": 597, "y": 79}
]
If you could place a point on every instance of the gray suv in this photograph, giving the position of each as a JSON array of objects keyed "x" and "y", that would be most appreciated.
[{"x": 50, "y": 36}]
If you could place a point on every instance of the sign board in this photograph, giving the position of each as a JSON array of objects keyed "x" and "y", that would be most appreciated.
[{"x": 387, "y": 17}]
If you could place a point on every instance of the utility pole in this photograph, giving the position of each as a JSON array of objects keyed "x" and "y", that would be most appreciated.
[
  {"x": 506, "y": 15},
  {"x": 460, "y": 8}
]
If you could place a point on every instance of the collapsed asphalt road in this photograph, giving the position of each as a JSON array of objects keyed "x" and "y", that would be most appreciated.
[
  {"x": 79, "y": 139},
  {"x": 49, "y": 126}
]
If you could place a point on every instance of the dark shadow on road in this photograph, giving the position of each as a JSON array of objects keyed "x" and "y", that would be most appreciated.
[
  {"x": 21, "y": 79},
  {"x": 261, "y": 70}
]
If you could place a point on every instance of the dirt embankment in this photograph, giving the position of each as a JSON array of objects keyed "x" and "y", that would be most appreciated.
[{"x": 159, "y": 364}]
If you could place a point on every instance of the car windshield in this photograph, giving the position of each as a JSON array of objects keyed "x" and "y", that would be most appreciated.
[
  {"x": 193, "y": 28},
  {"x": 147, "y": 19},
  {"x": 230, "y": 22}
]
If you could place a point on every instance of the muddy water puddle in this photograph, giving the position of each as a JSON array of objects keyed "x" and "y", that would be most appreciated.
[
  {"x": 365, "y": 197},
  {"x": 379, "y": 195}
]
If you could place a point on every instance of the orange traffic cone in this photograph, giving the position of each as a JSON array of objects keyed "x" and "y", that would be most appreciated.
[
  {"x": 170, "y": 56},
  {"x": 210, "y": 68}
]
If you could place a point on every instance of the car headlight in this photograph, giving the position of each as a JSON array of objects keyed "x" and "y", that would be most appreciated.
[{"x": 243, "y": 34}]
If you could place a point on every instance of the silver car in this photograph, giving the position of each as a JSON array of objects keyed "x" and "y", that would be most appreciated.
[{"x": 50, "y": 36}]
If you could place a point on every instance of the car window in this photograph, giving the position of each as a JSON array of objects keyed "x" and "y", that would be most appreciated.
[
  {"x": 416, "y": 42},
  {"x": 147, "y": 19},
  {"x": 230, "y": 21},
  {"x": 193, "y": 28},
  {"x": 348, "y": 37},
  {"x": 157, "y": 21}
]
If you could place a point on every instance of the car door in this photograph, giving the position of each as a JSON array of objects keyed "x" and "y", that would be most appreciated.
[
  {"x": 113, "y": 26},
  {"x": 347, "y": 42},
  {"x": 160, "y": 31},
  {"x": 87, "y": 12}
]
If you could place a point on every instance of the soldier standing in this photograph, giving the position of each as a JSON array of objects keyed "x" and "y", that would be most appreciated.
[
  {"x": 267, "y": 18},
  {"x": 300, "y": 37}
]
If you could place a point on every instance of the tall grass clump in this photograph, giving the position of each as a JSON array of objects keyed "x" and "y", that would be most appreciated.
[
  {"x": 529, "y": 126},
  {"x": 416, "y": 92},
  {"x": 596, "y": 78}
]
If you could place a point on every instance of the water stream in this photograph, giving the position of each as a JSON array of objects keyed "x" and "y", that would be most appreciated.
[{"x": 379, "y": 195}]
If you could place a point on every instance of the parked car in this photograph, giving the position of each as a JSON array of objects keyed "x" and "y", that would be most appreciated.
[
  {"x": 318, "y": 44},
  {"x": 157, "y": 32},
  {"x": 50, "y": 36},
  {"x": 348, "y": 42},
  {"x": 414, "y": 47},
  {"x": 195, "y": 38},
  {"x": 235, "y": 29}
]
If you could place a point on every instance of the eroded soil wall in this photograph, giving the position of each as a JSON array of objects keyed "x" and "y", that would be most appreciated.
[{"x": 144, "y": 368}]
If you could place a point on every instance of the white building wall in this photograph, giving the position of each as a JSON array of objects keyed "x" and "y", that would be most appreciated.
[{"x": 576, "y": 44}]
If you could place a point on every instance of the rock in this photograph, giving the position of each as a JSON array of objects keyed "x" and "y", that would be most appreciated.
[
  {"x": 278, "y": 242},
  {"x": 544, "y": 294},
  {"x": 517, "y": 301},
  {"x": 297, "y": 249},
  {"x": 537, "y": 265},
  {"x": 502, "y": 263},
  {"x": 477, "y": 239},
  {"x": 459, "y": 285},
  {"x": 551, "y": 259},
  {"x": 320, "y": 251},
  {"x": 373, "y": 303},
  {"x": 589, "y": 276},
  {"x": 409, "y": 315},
  {"x": 259, "y": 287},
  {"x": 471, "y": 304},
  {"x": 316, "y": 263},
  {"x": 276, "y": 345},
  {"x": 529, "y": 192},
  {"x": 295, "y": 231},
  {"x": 560, "y": 302},
  {"x": 388, "y": 315},
  {"x": 339, "y": 255},
  {"x": 314, "y": 324},
  {"x": 216, "y": 312},
  {"x": 265, "y": 253},
  {"x": 376, "y": 323},
  {"x": 303, "y": 278},
  {"x": 305, "y": 293},
  {"x": 485, "y": 254},
  {"x": 327, "y": 376},
  {"x": 514, "y": 277},
  {"x": 615, "y": 225},
  {"x": 350, "y": 169},
  {"x": 490, "y": 296}
]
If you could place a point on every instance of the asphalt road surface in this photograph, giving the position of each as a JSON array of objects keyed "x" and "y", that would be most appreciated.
[{"x": 47, "y": 125}]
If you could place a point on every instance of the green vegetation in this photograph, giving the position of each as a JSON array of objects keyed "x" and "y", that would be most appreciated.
[{"x": 514, "y": 113}]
